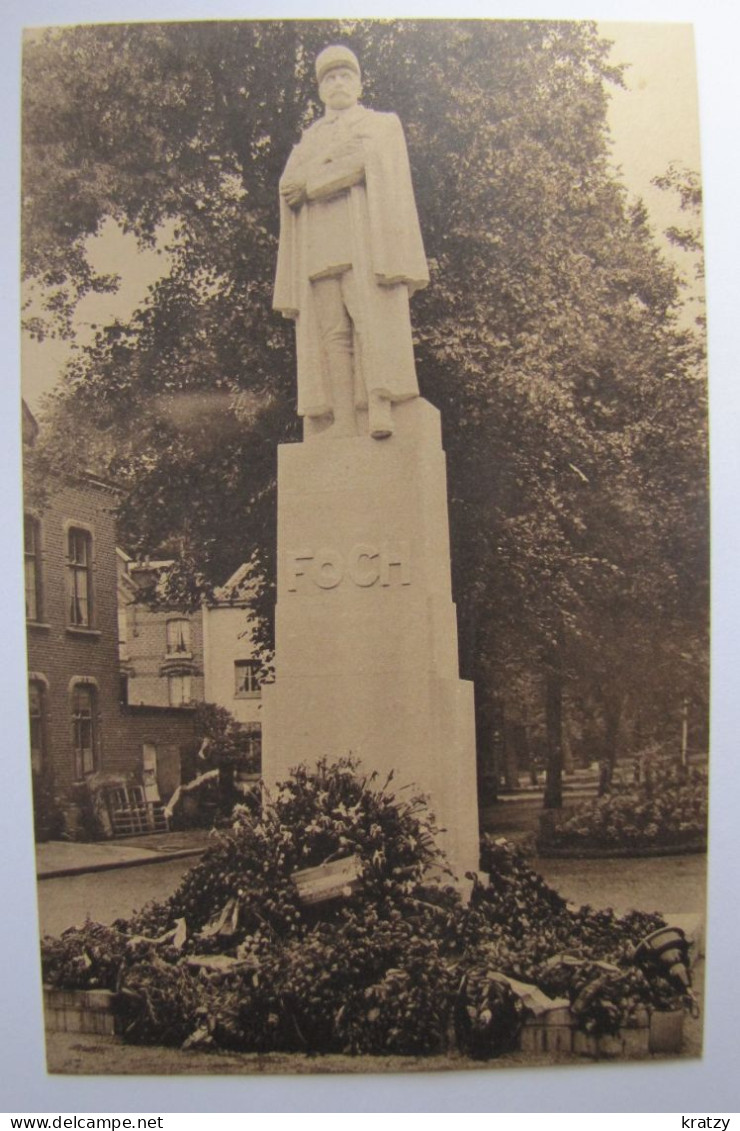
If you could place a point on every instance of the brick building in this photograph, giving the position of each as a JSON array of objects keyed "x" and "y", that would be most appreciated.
[
  {"x": 160, "y": 650},
  {"x": 78, "y": 724}
]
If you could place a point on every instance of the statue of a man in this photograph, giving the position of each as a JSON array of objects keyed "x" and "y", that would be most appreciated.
[{"x": 350, "y": 257}]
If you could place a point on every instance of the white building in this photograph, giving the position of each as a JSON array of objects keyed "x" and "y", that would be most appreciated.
[
  {"x": 231, "y": 665},
  {"x": 173, "y": 658}
]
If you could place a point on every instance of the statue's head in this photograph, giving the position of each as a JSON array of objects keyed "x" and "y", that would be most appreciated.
[{"x": 339, "y": 78}]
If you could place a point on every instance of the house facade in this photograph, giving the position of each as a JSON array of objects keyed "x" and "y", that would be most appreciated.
[
  {"x": 72, "y": 627},
  {"x": 171, "y": 658},
  {"x": 160, "y": 651},
  {"x": 231, "y": 659},
  {"x": 79, "y": 726}
]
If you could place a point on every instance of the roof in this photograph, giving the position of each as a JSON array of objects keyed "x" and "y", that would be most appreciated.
[{"x": 240, "y": 588}]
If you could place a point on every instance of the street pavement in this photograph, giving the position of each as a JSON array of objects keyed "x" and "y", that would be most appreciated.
[
  {"x": 103, "y": 896},
  {"x": 69, "y": 858},
  {"x": 109, "y": 880}
]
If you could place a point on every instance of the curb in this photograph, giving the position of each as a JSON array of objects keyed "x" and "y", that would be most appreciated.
[
  {"x": 110, "y": 865},
  {"x": 508, "y": 797},
  {"x": 583, "y": 852}
]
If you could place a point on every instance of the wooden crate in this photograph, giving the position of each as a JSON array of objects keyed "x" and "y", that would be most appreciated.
[{"x": 130, "y": 812}]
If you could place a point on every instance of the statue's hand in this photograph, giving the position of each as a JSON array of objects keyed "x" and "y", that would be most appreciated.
[{"x": 294, "y": 193}]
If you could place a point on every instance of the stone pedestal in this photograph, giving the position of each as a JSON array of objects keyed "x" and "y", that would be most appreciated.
[{"x": 366, "y": 632}]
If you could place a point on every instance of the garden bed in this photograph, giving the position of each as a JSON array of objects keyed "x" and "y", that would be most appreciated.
[
  {"x": 557, "y": 1033},
  {"x": 553, "y": 1030},
  {"x": 322, "y": 924},
  {"x": 665, "y": 814}
]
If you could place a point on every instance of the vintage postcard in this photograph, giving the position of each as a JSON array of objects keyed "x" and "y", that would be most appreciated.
[{"x": 366, "y": 544}]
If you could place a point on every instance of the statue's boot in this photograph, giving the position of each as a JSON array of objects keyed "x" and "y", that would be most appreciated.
[{"x": 380, "y": 416}]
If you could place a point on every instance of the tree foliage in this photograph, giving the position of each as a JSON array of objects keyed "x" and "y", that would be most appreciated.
[{"x": 572, "y": 400}]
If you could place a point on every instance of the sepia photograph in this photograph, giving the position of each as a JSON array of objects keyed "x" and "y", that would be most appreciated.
[{"x": 366, "y": 544}]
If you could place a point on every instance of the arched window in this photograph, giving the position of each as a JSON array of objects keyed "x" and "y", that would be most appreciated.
[
  {"x": 79, "y": 577},
  {"x": 36, "y": 723},
  {"x": 84, "y": 726},
  {"x": 32, "y": 566}
]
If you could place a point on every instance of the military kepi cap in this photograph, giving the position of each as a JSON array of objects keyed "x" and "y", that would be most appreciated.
[{"x": 336, "y": 56}]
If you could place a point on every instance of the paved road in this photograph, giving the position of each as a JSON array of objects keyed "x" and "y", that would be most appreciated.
[
  {"x": 104, "y": 896},
  {"x": 664, "y": 883}
]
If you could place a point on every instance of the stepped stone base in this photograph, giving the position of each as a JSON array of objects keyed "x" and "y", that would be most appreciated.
[{"x": 366, "y": 631}]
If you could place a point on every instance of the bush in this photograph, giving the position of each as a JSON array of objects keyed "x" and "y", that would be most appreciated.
[
  {"x": 400, "y": 965},
  {"x": 229, "y": 746},
  {"x": 160, "y": 1003},
  {"x": 668, "y": 809},
  {"x": 84, "y": 958},
  {"x": 314, "y": 817},
  {"x": 224, "y": 745},
  {"x": 489, "y": 1015},
  {"x": 48, "y": 822}
]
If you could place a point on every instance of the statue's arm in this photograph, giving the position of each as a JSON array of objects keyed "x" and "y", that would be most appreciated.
[
  {"x": 337, "y": 169},
  {"x": 345, "y": 165},
  {"x": 293, "y": 181},
  {"x": 333, "y": 178},
  {"x": 316, "y": 172}
]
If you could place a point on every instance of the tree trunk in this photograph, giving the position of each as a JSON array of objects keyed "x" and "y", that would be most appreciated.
[
  {"x": 554, "y": 731},
  {"x": 471, "y": 654},
  {"x": 485, "y": 743}
]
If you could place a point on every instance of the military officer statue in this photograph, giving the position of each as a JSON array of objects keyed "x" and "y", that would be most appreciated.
[{"x": 350, "y": 257}]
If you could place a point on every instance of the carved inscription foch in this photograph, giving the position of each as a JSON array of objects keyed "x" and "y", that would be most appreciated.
[{"x": 364, "y": 565}]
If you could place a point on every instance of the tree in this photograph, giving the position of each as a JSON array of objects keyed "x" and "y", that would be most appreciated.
[
  {"x": 686, "y": 183},
  {"x": 549, "y": 337}
]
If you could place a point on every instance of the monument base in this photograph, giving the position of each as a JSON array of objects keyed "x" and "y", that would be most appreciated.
[
  {"x": 366, "y": 636},
  {"x": 416, "y": 725}
]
